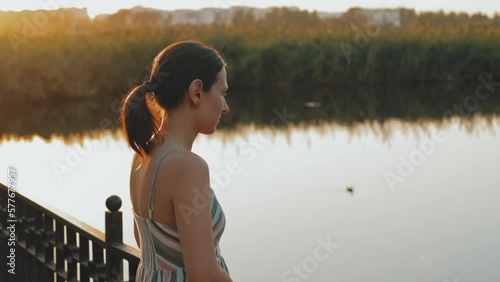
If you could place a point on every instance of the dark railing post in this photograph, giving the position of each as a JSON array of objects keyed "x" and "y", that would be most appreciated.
[{"x": 114, "y": 235}]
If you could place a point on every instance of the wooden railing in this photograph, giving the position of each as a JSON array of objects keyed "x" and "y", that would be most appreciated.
[{"x": 45, "y": 244}]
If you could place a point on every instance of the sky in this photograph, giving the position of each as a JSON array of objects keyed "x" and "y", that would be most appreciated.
[{"x": 95, "y": 7}]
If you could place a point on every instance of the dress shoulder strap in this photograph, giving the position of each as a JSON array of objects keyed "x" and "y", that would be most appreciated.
[{"x": 152, "y": 190}]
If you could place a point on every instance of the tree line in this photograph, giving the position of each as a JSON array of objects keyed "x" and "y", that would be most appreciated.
[{"x": 58, "y": 56}]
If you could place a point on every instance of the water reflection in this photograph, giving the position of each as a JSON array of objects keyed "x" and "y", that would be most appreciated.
[
  {"x": 382, "y": 130},
  {"x": 296, "y": 151},
  {"x": 349, "y": 106},
  {"x": 288, "y": 190}
]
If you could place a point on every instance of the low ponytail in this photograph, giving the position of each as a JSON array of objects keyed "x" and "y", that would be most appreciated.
[
  {"x": 173, "y": 70},
  {"x": 139, "y": 124}
]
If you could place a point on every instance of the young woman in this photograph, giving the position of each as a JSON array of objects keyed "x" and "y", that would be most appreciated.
[{"x": 177, "y": 219}]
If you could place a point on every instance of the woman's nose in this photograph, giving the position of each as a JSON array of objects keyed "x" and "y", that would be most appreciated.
[{"x": 225, "y": 109}]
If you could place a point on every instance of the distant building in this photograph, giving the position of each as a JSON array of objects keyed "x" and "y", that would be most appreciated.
[
  {"x": 73, "y": 20},
  {"x": 398, "y": 17},
  {"x": 384, "y": 16},
  {"x": 205, "y": 15},
  {"x": 63, "y": 20}
]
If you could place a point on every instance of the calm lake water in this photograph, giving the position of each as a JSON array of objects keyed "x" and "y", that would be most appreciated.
[{"x": 425, "y": 204}]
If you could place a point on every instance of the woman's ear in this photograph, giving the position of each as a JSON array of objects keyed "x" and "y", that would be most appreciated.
[{"x": 195, "y": 91}]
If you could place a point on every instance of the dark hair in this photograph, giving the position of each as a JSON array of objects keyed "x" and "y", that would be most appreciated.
[{"x": 173, "y": 70}]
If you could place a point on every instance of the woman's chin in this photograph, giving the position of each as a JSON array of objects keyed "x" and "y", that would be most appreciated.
[{"x": 211, "y": 129}]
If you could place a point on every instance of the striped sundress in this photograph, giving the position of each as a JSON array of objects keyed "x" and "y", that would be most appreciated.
[{"x": 161, "y": 252}]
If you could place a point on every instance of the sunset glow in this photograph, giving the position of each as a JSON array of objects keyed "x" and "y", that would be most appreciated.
[{"x": 98, "y": 7}]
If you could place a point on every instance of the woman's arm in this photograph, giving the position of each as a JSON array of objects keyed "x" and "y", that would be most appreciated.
[{"x": 189, "y": 174}]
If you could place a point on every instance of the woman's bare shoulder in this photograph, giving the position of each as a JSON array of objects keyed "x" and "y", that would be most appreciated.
[
  {"x": 186, "y": 160},
  {"x": 183, "y": 168}
]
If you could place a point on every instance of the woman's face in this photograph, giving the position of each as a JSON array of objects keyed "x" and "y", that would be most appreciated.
[{"x": 213, "y": 104}]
